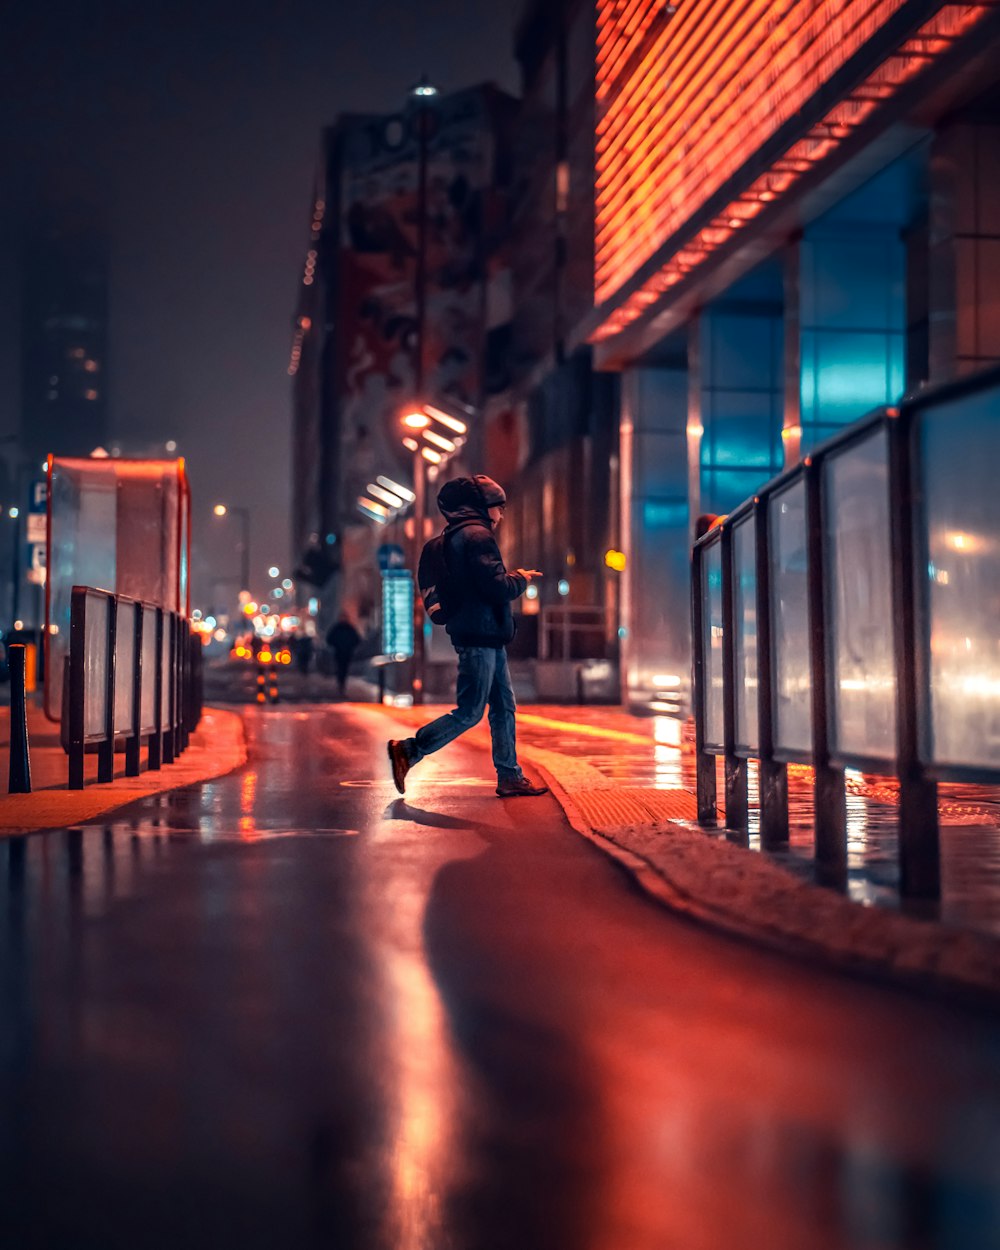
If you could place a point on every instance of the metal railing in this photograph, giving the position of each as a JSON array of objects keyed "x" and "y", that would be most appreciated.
[
  {"x": 572, "y": 632},
  {"x": 133, "y": 676},
  {"x": 848, "y": 616}
]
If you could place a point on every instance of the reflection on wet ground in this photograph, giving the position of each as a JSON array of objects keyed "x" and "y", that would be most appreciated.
[
  {"x": 289, "y": 1008},
  {"x": 648, "y": 752}
]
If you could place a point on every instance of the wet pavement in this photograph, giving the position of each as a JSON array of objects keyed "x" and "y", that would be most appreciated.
[
  {"x": 636, "y": 751},
  {"x": 286, "y": 1008}
]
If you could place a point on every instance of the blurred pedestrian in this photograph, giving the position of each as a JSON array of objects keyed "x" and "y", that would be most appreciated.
[
  {"x": 471, "y": 596},
  {"x": 302, "y": 648},
  {"x": 342, "y": 639}
]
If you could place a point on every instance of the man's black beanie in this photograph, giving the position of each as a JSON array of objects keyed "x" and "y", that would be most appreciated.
[{"x": 478, "y": 491}]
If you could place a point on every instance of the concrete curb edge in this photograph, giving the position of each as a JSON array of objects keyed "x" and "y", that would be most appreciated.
[{"x": 967, "y": 993}]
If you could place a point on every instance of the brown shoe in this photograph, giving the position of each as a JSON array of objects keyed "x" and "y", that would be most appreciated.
[
  {"x": 519, "y": 787},
  {"x": 400, "y": 764}
]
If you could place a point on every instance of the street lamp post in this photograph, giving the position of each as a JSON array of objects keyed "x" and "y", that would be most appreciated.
[
  {"x": 421, "y": 94},
  {"x": 222, "y": 509},
  {"x": 15, "y": 563}
]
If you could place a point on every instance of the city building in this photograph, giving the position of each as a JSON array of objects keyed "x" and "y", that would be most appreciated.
[
  {"x": 63, "y": 386},
  {"x": 404, "y": 298},
  {"x": 64, "y": 337},
  {"x": 554, "y": 443},
  {"x": 796, "y": 220}
]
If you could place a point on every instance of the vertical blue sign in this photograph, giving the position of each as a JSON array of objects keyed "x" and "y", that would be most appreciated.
[{"x": 397, "y": 613}]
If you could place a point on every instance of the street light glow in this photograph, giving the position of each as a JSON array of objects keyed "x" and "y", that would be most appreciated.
[
  {"x": 424, "y": 87},
  {"x": 417, "y": 420},
  {"x": 433, "y": 456},
  {"x": 445, "y": 419},
  {"x": 396, "y": 489},
  {"x": 220, "y": 509},
  {"x": 411, "y": 444},
  {"x": 386, "y": 496},
  {"x": 273, "y": 571},
  {"x": 444, "y": 443}
]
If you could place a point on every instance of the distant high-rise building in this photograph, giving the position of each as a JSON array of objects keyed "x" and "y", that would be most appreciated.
[{"x": 64, "y": 339}]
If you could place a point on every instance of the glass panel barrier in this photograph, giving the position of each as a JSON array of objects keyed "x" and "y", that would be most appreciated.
[
  {"x": 95, "y": 667},
  {"x": 958, "y": 585},
  {"x": 147, "y": 715},
  {"x": 165, "y": 656},
  {"x": 745, "y": 601},
  {"x": 712, "y": 600},
  {"x": 790, "y": 618},
  {"x": 125, "y": 629},
  {"x": 859, "y": 599}
]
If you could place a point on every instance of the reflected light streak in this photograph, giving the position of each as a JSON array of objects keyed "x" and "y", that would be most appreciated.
[
  {"x": 422, "y": 1080},
  {"x": 420, "y": 1161},
  {"x": 667, "y": 730},
  {"x": 248, "y": 802}
]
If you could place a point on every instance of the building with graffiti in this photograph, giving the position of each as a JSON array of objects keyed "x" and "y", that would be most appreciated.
[{"x": 404, "y": 296}]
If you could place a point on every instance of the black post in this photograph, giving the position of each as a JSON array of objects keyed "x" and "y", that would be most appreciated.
[
  {"x": 19, "y": 773},
  {"x": 919, "y": 845},
  {"x": 703, "y": 762},
  {"x": 106, "y": 747},
  {"x": 773, "y": 780},
  {"x": 133, "y": 743},
  {"x": 829, "y": 793},
  {"x": 735, "y": 768},
  {"x": 77, "y": 685}
]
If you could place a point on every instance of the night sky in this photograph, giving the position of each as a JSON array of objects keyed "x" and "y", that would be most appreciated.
[{"x": 195, "y": 128}]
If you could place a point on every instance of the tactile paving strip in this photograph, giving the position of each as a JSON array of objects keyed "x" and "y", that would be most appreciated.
[{"x": 634, "y": 806}]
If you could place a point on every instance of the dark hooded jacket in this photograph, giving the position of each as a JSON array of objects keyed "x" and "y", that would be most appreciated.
[{"x": 480, "y": 584}]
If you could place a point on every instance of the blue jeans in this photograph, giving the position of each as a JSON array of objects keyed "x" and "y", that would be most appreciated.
[{"x": 483, "y": 677}]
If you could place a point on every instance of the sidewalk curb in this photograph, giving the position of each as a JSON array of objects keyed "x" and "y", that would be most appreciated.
[
  {"x": 967, "y": 987},
  {"x": 217, "y": 747}
]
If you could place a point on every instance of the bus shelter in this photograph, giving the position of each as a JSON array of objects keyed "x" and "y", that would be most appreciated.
[{"x": 117, "y": 525}]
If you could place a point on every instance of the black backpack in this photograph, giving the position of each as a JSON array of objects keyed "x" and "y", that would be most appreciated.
[{"x": 437, "y": 586}]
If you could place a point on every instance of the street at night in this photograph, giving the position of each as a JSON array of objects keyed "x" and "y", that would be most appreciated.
[
  {"x": 499, "y": 646},
  {"x": 290, "y": 1008}
]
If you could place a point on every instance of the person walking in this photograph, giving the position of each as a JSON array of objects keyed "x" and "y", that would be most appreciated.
[
  {"x": 480, "y": 625},
  {"x": 342, "y": 639}
]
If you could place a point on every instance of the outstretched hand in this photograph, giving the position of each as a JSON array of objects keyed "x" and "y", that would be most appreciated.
[{"x": 528, "y": 574}]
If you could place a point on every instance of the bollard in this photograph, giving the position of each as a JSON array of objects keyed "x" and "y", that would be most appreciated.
[
  {"x": 261, "y": 695},
  {"x": 19, "y": 779},
  {"x": 272, "y": 683}
]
